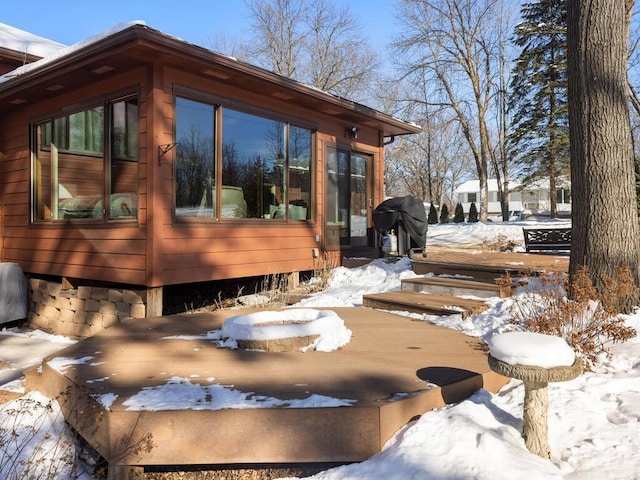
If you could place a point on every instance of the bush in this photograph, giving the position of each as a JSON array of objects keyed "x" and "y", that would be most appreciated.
[
  {"x": 473, "y": 212},
  {"x": 432, "y": 219},
  {"x": 500, "y": 244},
  {"x": 589, "y": 323},
  {"x": 458, "y": 216},
  {"x": 444, "y": 214}
]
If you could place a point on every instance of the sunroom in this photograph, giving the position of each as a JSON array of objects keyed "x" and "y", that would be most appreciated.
[{"x": 139, "y": 160}]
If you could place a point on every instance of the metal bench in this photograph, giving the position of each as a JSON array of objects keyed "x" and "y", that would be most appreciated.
[{"x": 547, "y": 239}]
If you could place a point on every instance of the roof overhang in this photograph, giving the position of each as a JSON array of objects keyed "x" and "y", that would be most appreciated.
[{"x": 138, "y": 45}]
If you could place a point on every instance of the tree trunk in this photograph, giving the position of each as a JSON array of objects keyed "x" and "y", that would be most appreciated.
[{"x": 605, "y": 220}]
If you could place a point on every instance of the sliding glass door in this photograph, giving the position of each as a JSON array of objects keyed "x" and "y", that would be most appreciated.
[{"x": 349, "y": 199}]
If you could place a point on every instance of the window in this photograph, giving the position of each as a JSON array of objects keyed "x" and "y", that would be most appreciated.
[
  {"x": 257, "y": 167},
  {"x": 472, "y": 197},
  {"x": 70, "y": 165},
  {"x": 195, "y": 172},
  {"x": 563, "y": 195}
]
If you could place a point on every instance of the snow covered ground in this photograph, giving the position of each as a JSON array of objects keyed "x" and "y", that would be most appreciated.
[{"x": 594, "y": 420}]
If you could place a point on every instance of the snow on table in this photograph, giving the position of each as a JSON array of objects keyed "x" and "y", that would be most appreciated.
[{"x": 300, "y": 322}]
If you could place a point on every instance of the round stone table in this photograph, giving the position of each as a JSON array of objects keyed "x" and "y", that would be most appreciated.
[{"x": 536, "y": 397}]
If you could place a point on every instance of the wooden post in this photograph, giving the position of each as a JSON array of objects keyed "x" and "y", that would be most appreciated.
[{"x": 154, "y": 302}]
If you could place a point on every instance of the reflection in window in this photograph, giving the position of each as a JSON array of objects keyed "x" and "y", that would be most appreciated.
[
  {"x": 195, "y": 172},
  {"x": 264, "y": 165},
  {"x": 70, "y": 164},
  {"x": 253, "y": 165}
]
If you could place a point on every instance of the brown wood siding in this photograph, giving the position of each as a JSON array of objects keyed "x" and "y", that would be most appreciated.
[
  {"x": 113, "y": 252},
  {"x": 194, "y": 252},
  {"x": 158, "y": 250}
]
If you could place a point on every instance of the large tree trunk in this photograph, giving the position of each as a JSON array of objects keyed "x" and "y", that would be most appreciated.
[{"x": 605, "y": 219}]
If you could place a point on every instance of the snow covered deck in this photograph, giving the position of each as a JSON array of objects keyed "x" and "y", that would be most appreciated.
[
  {"x": 202, "y": 404},
  {"x": 488, "y": 265}
]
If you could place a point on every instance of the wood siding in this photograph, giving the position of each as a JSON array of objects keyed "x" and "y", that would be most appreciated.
[
  {"x": 158, "y": 249},
  {"x": 109, "y": 252}
]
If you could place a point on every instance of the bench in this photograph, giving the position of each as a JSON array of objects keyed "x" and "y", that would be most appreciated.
[{"x": 547, "y": 239}]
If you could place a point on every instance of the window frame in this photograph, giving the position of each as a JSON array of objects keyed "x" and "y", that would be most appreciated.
[
  {"x": 220, "y": 104},
  {"x": 35, "y": 145}
]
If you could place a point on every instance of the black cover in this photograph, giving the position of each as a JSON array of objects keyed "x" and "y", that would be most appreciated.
[{"x": 409, "y": 212}]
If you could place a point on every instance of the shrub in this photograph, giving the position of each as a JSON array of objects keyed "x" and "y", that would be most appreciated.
[
  {"x": 500, "y": 244},
  {"x": 589, "y": 323},
  {"x": 458, "y": 216},
  {"x": 444, "y": 214},
  {"x": 473, "y": 212},
  {"x": 432, "y": 219}
]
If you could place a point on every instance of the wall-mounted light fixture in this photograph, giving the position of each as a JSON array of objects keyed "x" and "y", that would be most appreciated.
[{"x": 353, "y": 133}]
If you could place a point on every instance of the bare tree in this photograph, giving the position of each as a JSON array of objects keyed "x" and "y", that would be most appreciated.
[
  {"x": 453, "y": 43},
  {"x": 429, "y": 165},
  {"x": 314, "y": 42},
  {"x": 605, "y": 221}
]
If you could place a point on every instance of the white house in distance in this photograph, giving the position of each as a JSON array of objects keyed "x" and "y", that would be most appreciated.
[{"x": 533, "y": 199}]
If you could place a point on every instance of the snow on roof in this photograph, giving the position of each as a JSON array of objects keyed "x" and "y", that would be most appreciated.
[
  {"x": 63, "y": 52},
  {"x": 27, "y": 43},
  {"x": 474, "y": 186}
]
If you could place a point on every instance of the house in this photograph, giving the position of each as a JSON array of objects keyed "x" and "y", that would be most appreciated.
[
  {"x": 533, "y": 198},
  {"x": 134, "y": 160}
]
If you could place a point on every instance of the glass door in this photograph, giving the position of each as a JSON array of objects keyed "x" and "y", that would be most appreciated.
[{"x": 349, "y": 199}]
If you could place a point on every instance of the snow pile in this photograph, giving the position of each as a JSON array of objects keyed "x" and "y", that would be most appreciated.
[
  {"x": 270, "y": 325},
  {"x": 35, "y": 441},
  {"x": 531, "y": 349},
  {"x": 181, "y": 394}
]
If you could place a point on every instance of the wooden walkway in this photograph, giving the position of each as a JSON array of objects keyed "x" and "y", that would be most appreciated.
[
  {"x": 484, "y": 276},
  {"x": 490, "y": 264}
]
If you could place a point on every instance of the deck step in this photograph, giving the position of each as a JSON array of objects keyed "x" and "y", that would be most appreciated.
[
  {"x": 476, "y": 272},
  {"x": 432, "y": 304},
  {"x": 455, "y": 287}
]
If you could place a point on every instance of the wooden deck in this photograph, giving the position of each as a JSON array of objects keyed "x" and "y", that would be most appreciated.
[
  {"x": 484, "y": 276},
  {"x": 394, "y": 369},
  {"x": 456, "y": 287},
  {"x": 486, "y": 265}
]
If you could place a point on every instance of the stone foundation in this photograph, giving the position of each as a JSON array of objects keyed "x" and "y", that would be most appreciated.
[{"x": 83, "y": 311}]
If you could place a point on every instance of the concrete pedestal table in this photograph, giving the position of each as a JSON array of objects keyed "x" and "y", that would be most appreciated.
[{"x": 543, "y": 352}]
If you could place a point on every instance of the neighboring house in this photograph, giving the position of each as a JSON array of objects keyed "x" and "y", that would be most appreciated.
[
  {"x": 18, "y": 48},
  {"x": 136, "y": 159},
  {"x": 533, "y": 199}
]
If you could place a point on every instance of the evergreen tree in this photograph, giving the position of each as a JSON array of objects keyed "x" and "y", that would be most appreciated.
[
  {"x": 432, "y": 218},
  {"x": 473, "y": 212},
  {"x": 539, "y": 138},
  {"x": 458, "y": 216},
  {"x": 444, "y": 214}
]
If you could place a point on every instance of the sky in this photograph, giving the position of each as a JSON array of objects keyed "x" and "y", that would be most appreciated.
[
  {"x": 196, "y": 21},
  {"x": 593, "y": 420}
]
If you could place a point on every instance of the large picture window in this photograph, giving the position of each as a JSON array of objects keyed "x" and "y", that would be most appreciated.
[
  {"x": 235, "y": 164},
  {"x": 86, "y": 164}
]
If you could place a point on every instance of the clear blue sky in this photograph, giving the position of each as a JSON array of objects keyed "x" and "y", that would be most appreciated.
[{"x": 196, "y": 21}]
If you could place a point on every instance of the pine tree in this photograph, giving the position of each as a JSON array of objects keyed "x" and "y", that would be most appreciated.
[
  {"x": 539, "y": 139},
  {"x": 432, "y": 219},
  {"x": 458, "y": 216},
  {"x": 473, "y": 213},
  {"x": 444, "y": 214}
]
